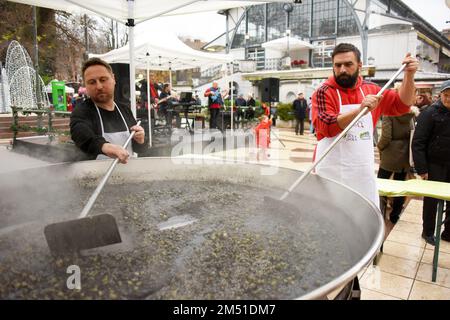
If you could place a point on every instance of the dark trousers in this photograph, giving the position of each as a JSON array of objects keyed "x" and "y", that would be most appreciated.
[
  {"x": 237, "y": 116},
  {"x": 214, "y": 117},
  {"x": 299, "y": 122},
  {"x": 436, "y": 172},
  {"x": 398, "y": 201}
]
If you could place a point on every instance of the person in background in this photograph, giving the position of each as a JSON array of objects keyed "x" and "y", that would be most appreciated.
[
  {"x": 215, "y": 103},
  {"x": 250, "y": 100},
  {"x": 69, "y": 102},
  {"x": 431, "y": 153},
  {"x": 394, "y": 155},
  {"x": 165, "y": 98},
  {"x": 262, "y": 133},
  {"x": 73, "y": 101},
  {"x": 422, "y": 102},
  {"x": 251, "y": 103},
  {"x": 198, "y": 101},
  {"x": 273, "y": 115},
  {"x": 266, "y": 109},
  {"x": 238, "y": 112},
  {"x": 300, "y": 107},
  {"x": 154, "y": 88},
  {"x": 99, "y": 126}
]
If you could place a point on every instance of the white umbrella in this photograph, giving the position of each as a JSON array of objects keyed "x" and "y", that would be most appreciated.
[
  {"x": 164, "y": 51},
  {"x": 281, "y": 44}
]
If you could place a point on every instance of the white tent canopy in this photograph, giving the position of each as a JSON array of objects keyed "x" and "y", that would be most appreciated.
[
  {"x": 132, "y": 12},
  {"x": 164, "y": 51},
  {"x": 281, "y": 44},
  {"x": 142, "y": 9}
]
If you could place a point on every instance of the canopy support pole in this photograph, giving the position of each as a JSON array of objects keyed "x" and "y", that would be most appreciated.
[
  {"x": 131, "y": 25},
  {"x": 170, "y": 74},
  {"x": 149, "y": 104}
]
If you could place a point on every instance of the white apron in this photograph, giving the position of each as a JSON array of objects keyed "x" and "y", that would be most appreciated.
[
  {"x": 351, "y": 162},
  {"x": 118, "y": 138}
]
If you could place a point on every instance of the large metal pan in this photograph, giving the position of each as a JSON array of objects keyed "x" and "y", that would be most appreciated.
[{"x": 31, "y": 198}]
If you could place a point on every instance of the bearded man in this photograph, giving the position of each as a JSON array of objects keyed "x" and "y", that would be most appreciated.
[{"x": 338, "y": 101}]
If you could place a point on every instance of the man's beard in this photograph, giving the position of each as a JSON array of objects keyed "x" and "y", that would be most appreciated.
[
  {"x": 102, "y": 98},
  {"x": 346, "y": 80}
]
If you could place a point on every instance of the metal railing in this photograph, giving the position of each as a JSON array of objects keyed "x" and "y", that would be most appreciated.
[{"x": 49, "y": 130}]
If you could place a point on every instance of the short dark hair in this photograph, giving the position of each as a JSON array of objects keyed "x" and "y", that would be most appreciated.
[
  {"x": 95, "y": 62},
  {"x": 346, "y": 47}
]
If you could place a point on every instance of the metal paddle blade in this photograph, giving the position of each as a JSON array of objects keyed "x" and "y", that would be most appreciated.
[{"x": 85, "y": 233}]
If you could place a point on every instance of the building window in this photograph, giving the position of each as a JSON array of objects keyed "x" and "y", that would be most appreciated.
[
  {"x": 239, "y": 37},
  {"x": 347, "y": 25},
  {"x": 324, "y": 18},
  {"x": 323, "y": 25},
  {"x": 321, "y": 56},
  {"x": 276, "y": 21},
  {"x": 301, "y": 19},
  {"x": 258, "y": 55},
  {"x": 256, "y": 24}
]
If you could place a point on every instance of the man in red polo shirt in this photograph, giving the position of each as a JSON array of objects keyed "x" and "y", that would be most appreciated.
[{"x": 338, "y": 101}]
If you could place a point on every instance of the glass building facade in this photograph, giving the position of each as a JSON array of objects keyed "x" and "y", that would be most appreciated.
[{"x": 319, "y": 21}]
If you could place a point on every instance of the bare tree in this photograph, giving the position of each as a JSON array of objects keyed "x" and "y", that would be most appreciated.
[{"x": 115, "y": 33}]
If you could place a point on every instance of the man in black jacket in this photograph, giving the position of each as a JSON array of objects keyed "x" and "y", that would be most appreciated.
[
  {"x": 300, "y": 107},
  {"x": 99, "y": 126},
  {"x": 431, "y": 153}
]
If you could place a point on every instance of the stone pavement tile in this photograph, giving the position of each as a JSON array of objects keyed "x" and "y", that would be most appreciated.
[
  {"x": 410, "y": 217},
  {"x": 407, "y": 226},
  {"x": 401, "y": 250},
  {"x": 444, "y": 246},
  {"x": 426, "y": 291},
  {"x": 398, "y": 266},
  {"x": 367, "y": 294},
  {"x": 414, "y": 206},
  {"x": 408, "y": 238},
  {"x": 425, "y": 273},
  {"x": 443, "y": 259},
  {"x": 387, "y": 283}
]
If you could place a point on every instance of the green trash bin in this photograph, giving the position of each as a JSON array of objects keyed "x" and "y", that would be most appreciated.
[{"x": 59, "y": 95}]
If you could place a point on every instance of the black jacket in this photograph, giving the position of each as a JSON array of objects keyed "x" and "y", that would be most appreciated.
[
  {"x": 300, "y": 107},
  {"x": 86, "y": 130},
  {"x": 431, "y": 141}
]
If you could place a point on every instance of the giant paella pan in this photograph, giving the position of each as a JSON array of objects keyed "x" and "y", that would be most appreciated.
[{"x": 190, "y": 231}]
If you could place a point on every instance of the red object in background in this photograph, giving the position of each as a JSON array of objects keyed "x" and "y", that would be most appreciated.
[
  {"x": 81, "y": 91},
  {"x": 266, "y": 109},
  {"x": 262, "y": 132},
  {"x": 298, "y": 62},
  {"x": 69, "y": 103}
]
